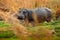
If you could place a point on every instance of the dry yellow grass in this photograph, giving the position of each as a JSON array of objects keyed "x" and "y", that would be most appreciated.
[
  {"x": 14, "y": 5},
  {"x": 18, "y": 29}
]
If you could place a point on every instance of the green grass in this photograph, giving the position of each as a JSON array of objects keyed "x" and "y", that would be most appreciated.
[
  {"x": 3, "y": 24},
  {"x": 35, "y": 30},
  {"x": 9, "y": 38},
  {"x": 6, "y": 34}
]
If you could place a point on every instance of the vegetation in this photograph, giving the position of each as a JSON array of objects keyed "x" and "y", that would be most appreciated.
[
  {"x": 11, "y": 29},
  {"x": 7, "y": 35}
]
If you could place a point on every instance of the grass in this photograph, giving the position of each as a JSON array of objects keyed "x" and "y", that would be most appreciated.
[
  {"x": 8, "y": 35},
  {"x": 3, "y": 24},
  {"x": 9, "y": 38}
]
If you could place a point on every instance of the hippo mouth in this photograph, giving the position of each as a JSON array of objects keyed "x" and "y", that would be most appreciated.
[{"x": 20, "y": 18}]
